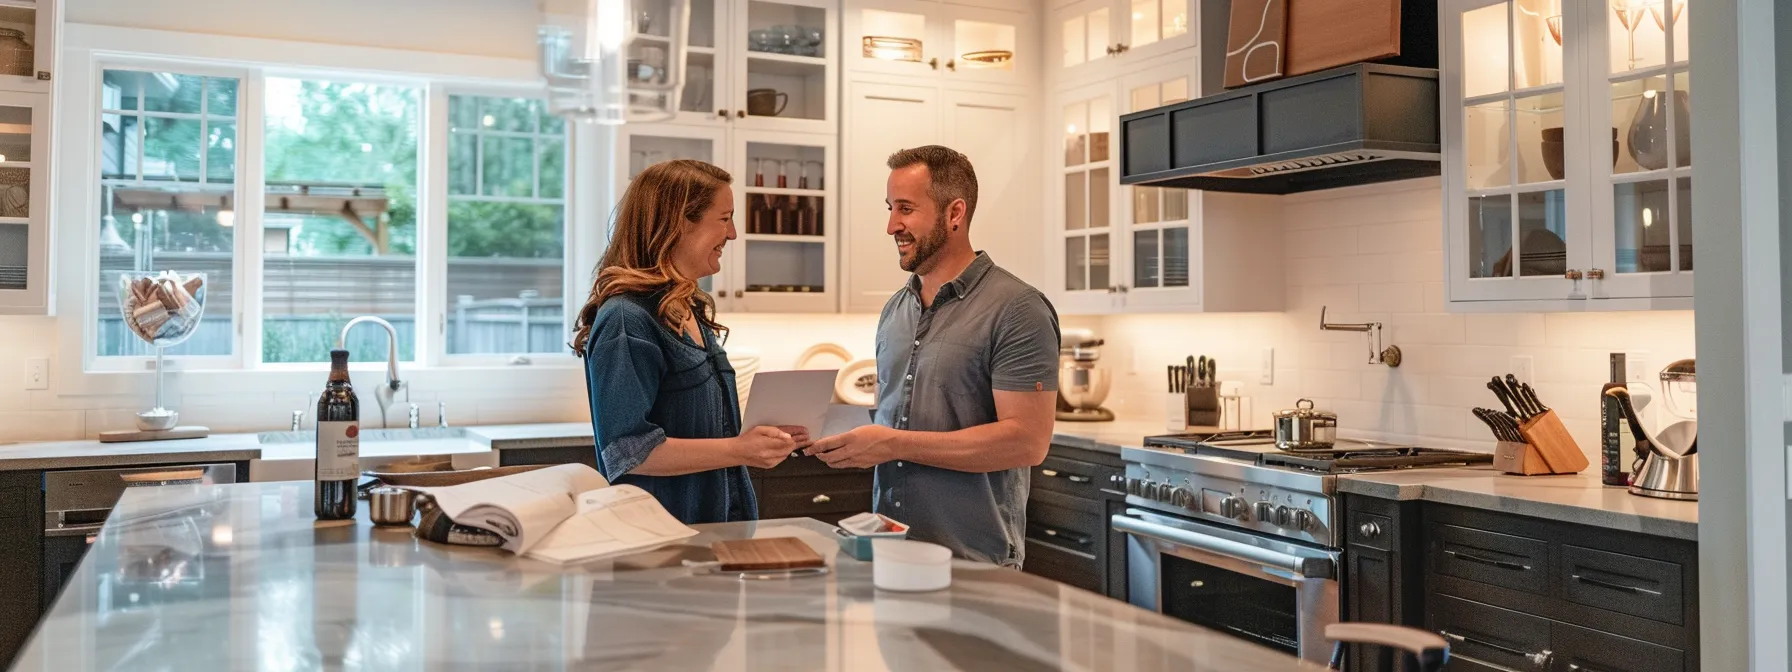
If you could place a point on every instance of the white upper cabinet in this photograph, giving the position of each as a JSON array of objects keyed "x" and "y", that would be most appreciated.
[
  {"x": 1120, "y": 248},
  {"x": 24, "y": 203},
  {"x": 1096, "y": 38},
  {"x": 953, "y": 42},
  {"x": 1566, "y": 154},
  {"x": 28, "y": 44},
  {"x": 757, "y": 64}
]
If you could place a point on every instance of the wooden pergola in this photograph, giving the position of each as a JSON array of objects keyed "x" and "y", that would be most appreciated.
[{"x": 366, "y": 208}]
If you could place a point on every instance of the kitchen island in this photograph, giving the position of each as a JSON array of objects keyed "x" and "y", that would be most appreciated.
[{"x": 241, "y": 576}]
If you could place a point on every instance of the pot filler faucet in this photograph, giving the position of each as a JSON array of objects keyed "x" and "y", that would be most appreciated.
[{"x": 387, "y": 393}]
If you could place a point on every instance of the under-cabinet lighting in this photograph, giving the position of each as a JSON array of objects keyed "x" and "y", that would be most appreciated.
[{"x": 892, "y": 48}]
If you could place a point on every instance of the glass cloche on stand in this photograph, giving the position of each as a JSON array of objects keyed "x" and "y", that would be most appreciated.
[{"x": 162, "y": 308}]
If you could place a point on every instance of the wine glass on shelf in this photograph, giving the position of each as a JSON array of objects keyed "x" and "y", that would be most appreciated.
[
  {"x": 1630, "y": 15},
  {"x": 1655, "y": 12}
]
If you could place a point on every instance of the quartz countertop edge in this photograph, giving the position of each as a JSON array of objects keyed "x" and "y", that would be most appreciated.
[{"x": 1572, "y": 498}]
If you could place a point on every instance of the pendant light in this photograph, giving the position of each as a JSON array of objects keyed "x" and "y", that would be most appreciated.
[{"x": 604, "y": 64}]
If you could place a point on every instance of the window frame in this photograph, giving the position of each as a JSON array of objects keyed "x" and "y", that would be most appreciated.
[
  {"x": 437, "y": 113},
  {"x": 91, "y": 49}
]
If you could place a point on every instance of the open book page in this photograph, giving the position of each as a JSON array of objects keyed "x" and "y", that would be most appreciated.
[
  {"x": 613, "y": 520},
  {"x": 521, "y": 508}
]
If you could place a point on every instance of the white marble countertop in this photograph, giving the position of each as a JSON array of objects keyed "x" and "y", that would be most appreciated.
[
  {"x": 242, "y": 577},
  {"x": 1575, "y": 498},
  {"x": 243, "y": 447}
]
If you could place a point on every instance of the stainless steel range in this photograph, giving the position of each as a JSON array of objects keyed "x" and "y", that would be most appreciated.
[{"x": 1225, "y": 531}]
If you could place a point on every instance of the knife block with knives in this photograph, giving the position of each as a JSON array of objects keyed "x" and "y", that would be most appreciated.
[
  {"x": 1199, "y": 384},
  {"x": 1547, "y": 447}
]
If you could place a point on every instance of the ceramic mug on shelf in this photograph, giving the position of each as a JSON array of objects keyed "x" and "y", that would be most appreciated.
[{"x": 766, "y": 102}]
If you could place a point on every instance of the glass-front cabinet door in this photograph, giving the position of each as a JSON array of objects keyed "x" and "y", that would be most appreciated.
[
  {"x": 24, "y": 160},
  {"x": 1645, "y": 191},
  {"x": 898, "y": 37},
  {"x": 703, "y": 98},
  {"x": 1084, "y": 35},
  {"x": 989, "y": 45},
  {"x": 784, "y": 259},
  {"x": 784, "y": 76},
  {"x": 1083, "y": 257},
  {"x": 1161, "y": 222},
  {"x": 1151, "y": 27},
  {"x": 647, "y": 144},
  {"x": 1516, "y": 212},
  {"x": 27, "y": 44}
]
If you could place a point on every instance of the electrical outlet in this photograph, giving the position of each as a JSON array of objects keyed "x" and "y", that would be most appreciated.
[
  {"x": 1520, "y": 368},
  {"x": 37, "y": 373},
  {"x": 1268, "y": 373},
  {"x": 1637, "y": 369}
]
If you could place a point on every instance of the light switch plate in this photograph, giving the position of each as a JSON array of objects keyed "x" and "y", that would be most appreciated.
[
  {"x": 37, "y": 373},
  {"x": 1268, "y": 374},
  {"x": 1520, "y": 368},
  {"x": 1637, "y": 368}
]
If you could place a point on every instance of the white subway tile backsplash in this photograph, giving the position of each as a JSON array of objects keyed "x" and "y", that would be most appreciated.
[
  {"x": 40, "y": 425},
  {"x": 1395, "y": 276},
  {"x": 1391, "y": 298},
  {"x": 1332, "y": 242}
]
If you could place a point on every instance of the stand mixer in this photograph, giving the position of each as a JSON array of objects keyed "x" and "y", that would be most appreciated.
[
  {"x": 1082, "y": 386},
  {"x": 1670, "y": 468}
]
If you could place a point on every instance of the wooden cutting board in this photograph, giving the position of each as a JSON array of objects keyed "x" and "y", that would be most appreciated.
[{"x": 745, "y": 555}]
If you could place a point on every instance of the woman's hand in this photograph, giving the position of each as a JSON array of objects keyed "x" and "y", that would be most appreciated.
[
  {"x": 763, "y": 447},
  {"x": 799, "y": 434}
]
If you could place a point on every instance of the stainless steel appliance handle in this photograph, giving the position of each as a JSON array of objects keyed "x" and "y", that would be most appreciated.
[
  {"x": 1312, "y": 568},
  {"x": 74, "y": 530}
]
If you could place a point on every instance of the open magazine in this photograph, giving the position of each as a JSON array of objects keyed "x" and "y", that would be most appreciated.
[{"x": 565, "y": 513}]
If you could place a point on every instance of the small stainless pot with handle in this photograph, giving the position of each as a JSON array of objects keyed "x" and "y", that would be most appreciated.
[{"x": 1303, "y": 428}]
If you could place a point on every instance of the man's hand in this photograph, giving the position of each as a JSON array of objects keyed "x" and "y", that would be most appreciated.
[
  {"x": 799, "y": 434},
  {"x": 866, "y": 446},
  {"x": 762, "y": 447}
]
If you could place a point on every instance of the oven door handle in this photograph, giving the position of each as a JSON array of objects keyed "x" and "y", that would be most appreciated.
[{"x": 1309, "y": 568}]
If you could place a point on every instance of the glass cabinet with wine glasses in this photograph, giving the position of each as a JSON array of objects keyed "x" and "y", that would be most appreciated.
[{"x": 1567, "y": 154}]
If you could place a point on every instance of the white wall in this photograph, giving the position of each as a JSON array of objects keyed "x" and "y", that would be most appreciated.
[
  {"x": 502, "y": 28},
  {"x": 1376, "y": 254}
]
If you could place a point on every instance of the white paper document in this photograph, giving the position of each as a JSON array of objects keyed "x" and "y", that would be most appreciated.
[
  {"x": 790, "y": 398},
  {"x": 564, "y": 513},
  {"x": 842, "y": 418},
  {"x": 613, "y": 520}
]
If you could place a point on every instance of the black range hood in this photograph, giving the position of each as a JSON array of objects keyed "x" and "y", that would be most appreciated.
[{"x": 1346, "y": 126}]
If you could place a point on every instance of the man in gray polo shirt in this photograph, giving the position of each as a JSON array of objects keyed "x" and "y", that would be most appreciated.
[{"x": 967, "y": 358}]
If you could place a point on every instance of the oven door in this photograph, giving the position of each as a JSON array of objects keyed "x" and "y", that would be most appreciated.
[{"x": 1258, "y": 588}]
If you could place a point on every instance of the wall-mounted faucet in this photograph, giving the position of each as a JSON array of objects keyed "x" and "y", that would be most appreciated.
[
  {"x": 1372, "y": 330},
  {"x": 386, "y": 393}
]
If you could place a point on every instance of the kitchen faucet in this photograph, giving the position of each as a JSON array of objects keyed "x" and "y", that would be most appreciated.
[{"x": 386, "y": 393}]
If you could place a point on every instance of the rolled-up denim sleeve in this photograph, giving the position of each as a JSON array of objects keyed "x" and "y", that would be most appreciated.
[
  {"x": 1026, "y": 347},
  {"x": 624, "y": 370}
]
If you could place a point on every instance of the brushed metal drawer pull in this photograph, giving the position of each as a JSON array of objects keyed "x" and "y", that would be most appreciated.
[
  {"x": 1079, "y": 479},
  {"x": 821, "y": 499},
  {"x": 1538, "y": 658},
  {"x": 1049, "y": 472},
  {"x": 1489, "y": 562},
  {"x": 1614, "y": 586},
  {"x": 1369, "y": 530},
  {"x": 1577, "y": 667},
  {"x": 1080, "y": 540}
]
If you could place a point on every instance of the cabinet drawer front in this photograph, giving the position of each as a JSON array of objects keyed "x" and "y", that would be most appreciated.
[
  {"x": 1623, "y": 583},
  {"x": 1076, "y": 477},
  {"x": 1504, "y": 560},
  {"x": 1058, "y": 564},
  {"x": 1500, "y": 637},
  {"x": 1368, "y": 529},
  {"x": 1581, "y": 650},
  {"x": 807, "y": 495},
  {"x": 1079, "y": 528}
]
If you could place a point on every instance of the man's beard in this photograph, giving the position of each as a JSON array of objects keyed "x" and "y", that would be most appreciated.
[{"x": 926, "y": 248}]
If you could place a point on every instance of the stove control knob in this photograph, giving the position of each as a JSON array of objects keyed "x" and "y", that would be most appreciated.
[
  {"x": 1284, "y": 517},
  {"x": 1166, "y": 493},
  {"x": 1183, "y": 498},
  {"x": 1304, "y": 520},
  {"x": 1264, "y": 511},
  {"x": 1134, "y": 486},
  {"x": 1233, "y": 507},
  {"x": 1150, "y": 491}
]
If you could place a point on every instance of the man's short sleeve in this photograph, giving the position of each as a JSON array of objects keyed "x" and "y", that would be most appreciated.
[{"x": 1026, "y": 346}]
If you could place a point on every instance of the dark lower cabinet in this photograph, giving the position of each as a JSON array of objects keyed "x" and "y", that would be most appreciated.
[
  {"x": 21, "y": 559},
  {"x": 586, "y": 455},
  {"x": 806, "y": 487},
  {"x": 1074, "y": 494},
  {"x": 1518, "y": 593}
]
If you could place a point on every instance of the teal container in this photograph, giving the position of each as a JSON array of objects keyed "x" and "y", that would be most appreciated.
[{"x": 859, "y": 545}]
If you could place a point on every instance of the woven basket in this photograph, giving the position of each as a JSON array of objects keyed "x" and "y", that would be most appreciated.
[{"x": 16, "y": 55}]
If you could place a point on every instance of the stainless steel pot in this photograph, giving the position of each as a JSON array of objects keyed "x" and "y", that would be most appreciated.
[
  {"x": 391, "y": 506},
  {"x": 1302, "y": 428}
]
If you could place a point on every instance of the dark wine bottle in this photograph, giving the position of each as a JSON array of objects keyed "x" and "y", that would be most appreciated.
[
  {"x": 1611, "y": 422},
  {"x": 338, "y": 443}
]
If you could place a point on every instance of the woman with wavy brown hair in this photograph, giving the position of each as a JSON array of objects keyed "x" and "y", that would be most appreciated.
[{"x": 664, "y": 408}]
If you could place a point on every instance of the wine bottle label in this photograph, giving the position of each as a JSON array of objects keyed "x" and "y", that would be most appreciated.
[{"x": 338, "y": 451}]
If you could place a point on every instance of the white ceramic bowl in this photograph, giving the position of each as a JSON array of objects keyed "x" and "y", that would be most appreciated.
[{"x": 910, "y": 566}]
